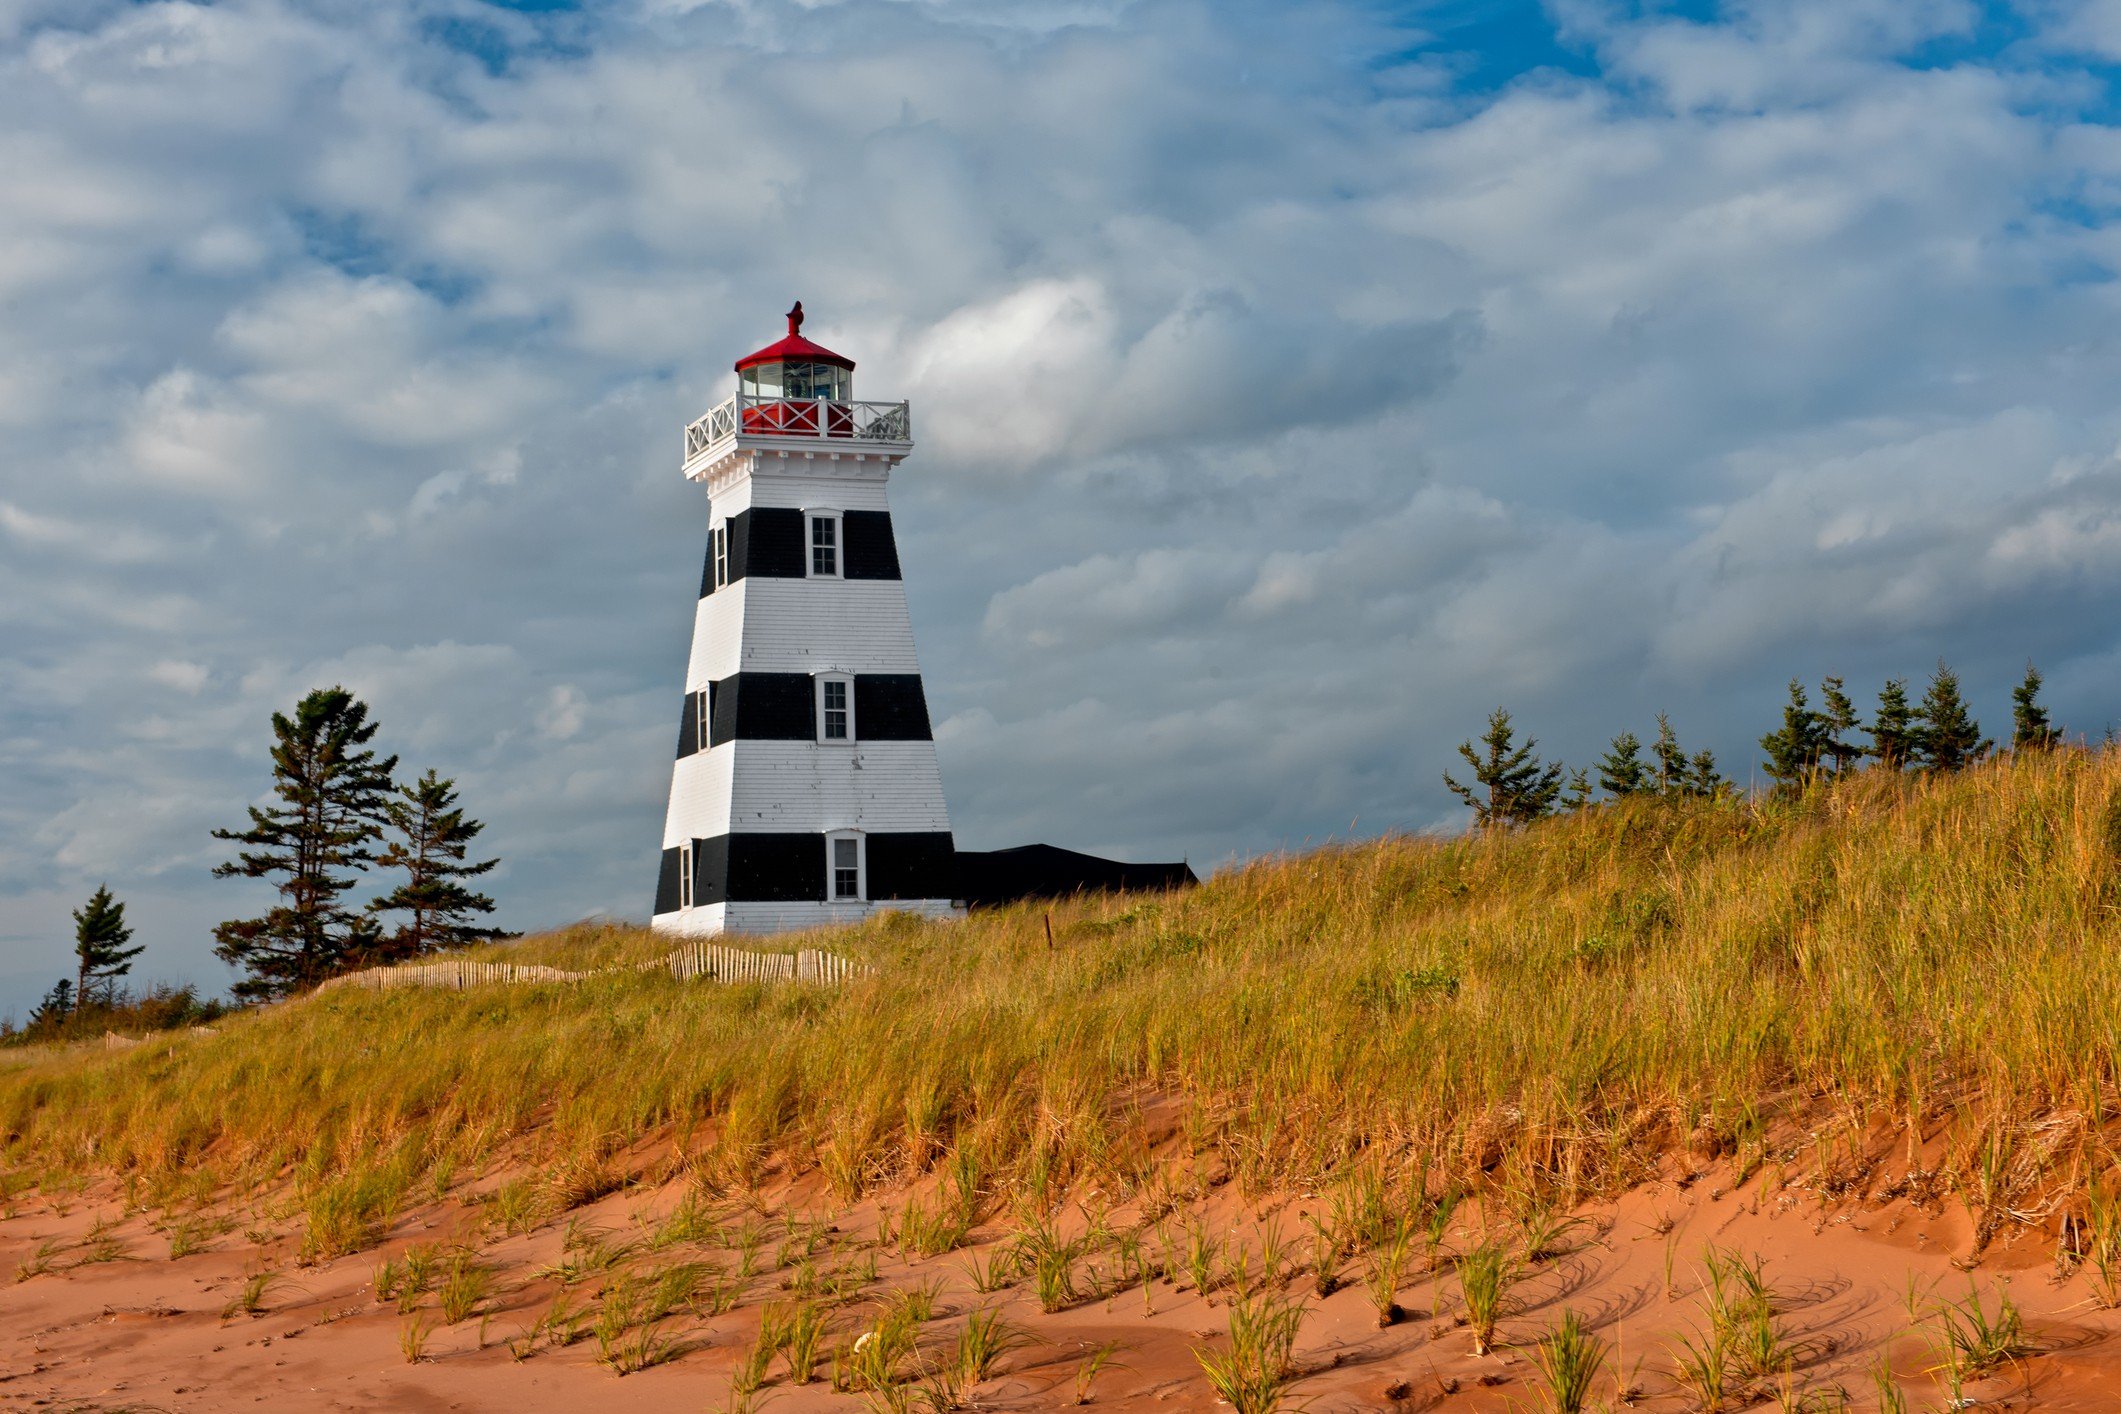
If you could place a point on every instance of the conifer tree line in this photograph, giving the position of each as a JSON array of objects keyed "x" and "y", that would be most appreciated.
[
  {"x": 338, "y": 811},
  {"x": 96, "y": 997},
  {"x": 1510, "y": 785}
]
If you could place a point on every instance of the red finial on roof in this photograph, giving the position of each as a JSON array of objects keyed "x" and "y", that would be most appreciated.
[{"x": 794, "y": 349}]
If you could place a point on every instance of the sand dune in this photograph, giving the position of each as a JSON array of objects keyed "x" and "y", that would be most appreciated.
[{"x": 117, "y": 1324}]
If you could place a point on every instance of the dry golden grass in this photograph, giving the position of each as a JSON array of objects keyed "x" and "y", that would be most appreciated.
[{"x": 1545, "y": 1012}]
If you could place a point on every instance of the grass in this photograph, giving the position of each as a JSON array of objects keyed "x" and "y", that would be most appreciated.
[
  {"x": 249, "y": 1299},
  {"x": 1891, "y": 948},
  {"x": 1254, "y": 1373},
  {"x": 1569, "y": 1358},
  {"x": 1385, "y": 1272},
  {"x": 44, "y": 1260},
  {"x": 802, "y": 1340},
  {"x": 1973, "y": 1340},
  {"x": 1485, "y": 1275},
  {"x": 981, "y": 1343},
  {"x": 465, "y": 1286},
  {"x": 188, "y": 1235},
  {"x": 1095, "y": 1362}
]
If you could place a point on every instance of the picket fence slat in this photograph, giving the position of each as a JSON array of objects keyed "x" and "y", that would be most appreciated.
[{"x": 695, "y": 960}]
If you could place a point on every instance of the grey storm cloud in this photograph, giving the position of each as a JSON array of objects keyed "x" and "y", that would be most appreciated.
[{"x": 1286, "y": 399}]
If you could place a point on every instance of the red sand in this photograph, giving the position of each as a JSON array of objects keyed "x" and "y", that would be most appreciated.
[{"x": 147, "y": 1332}]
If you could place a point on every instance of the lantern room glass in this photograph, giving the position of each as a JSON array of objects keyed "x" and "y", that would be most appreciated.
[{"x": 767, "y": 381}]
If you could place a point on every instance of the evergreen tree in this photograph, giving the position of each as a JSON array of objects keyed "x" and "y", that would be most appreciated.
[
  {"x": 1670, "y": 758},
  {"x": 1702, "y": 777},
  {"x": 1895, "y": 734},
  {"x": 1794, "y": 752},
  {"x": 1513, "y": 787},
  {"x": 1947, "y": 737},
  {"x": 432, "y": 838},
  {"x": 1621, "y": 770},
  {"x": 1836, "y": 722},
  {"x": 331, "y": 792},
  {"x": 100, "y": 953},
  {"x": 2030, "y": 729},
  {"x": 58, "y": 1004},
  {"x": 1578, "y": 796}
]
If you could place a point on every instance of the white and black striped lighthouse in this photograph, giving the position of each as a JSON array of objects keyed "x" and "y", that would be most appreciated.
[{"x": 806, "y": 789}]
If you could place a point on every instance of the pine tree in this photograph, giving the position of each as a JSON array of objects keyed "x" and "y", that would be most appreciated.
[
  {"x": 432, "y": 838},
  {"x": 1836, "y": 722},
  {"x": 1702, "y": 777},
  {"x": 331, "y": 792},
  {"x": 58, "y": 1004},
  {"x": 1947, "y": 737},
  {"x": 100, "y": 953},
  {"x": 1794, "y": 752},
  {"x": 1518, "y": 788},
  {"x": 1895, "y": 734},
  {"x": 1621, "y": 770},
  {"x": 1578, "y": 795},
  {"x": 1670, "y": 758},
  {"x": 2030, "y": 729}
]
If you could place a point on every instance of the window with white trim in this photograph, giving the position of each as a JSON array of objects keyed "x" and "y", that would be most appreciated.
[
  {"x": 719, "y": 539},
  {"x": 824, "y": 544},
  {"x": 703, "y": 721},
  {"x": 847, "y": 881},
  {"x": 685, "y": 874},
  {"x": 835, "y": 708}
]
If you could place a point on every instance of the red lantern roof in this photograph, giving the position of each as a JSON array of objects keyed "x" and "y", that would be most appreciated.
[{"x": 794, "y": 349}]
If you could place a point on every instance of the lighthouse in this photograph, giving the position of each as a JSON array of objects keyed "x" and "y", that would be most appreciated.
[{"x": 805, "y": 789}]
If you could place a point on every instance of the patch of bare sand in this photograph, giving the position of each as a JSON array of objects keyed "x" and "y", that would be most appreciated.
[{"x": 139, "y": 1330}]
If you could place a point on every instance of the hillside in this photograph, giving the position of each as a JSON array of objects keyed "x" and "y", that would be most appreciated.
[{"x": 1618, "y": 1058}]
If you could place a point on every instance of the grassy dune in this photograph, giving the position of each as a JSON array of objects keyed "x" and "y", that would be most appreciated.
[{"x": 1542, "y": 1014}]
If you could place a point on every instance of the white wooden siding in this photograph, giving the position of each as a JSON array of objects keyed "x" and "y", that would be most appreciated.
[
  {"x": 771, "y": 486},
  {"x": 745, "y": 787},
  {"x": 766, "y": 625},
  {"x": 711, "y": 919}
]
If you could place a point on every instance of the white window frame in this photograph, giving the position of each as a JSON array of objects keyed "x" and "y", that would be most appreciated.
[
  {"x": 839, "y": 544},
  {"x": 703, "y": 717},
  {"x": 818, "y": 694},
  {"x": 685, "y": 874},
  {"x": 719, "y": 539},
  {"x": 861, "y": 867}
]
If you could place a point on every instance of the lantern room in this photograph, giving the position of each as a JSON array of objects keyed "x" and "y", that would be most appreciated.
[
  {"x": 795, "y": 369},
  {"x": 796, "y": 389}
]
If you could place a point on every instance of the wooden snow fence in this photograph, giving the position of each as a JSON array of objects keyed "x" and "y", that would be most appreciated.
[
  {"x": 727, "y": 964},
  {"x": 698, "y": 961},
  {"x": 454, "y": 973}
]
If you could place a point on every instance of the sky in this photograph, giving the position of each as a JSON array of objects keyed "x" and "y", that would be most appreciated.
[{"x": 1293, "y": 384}]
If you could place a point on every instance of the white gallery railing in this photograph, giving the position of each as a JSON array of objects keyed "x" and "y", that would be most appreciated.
[{"x": 800, "y": 417}]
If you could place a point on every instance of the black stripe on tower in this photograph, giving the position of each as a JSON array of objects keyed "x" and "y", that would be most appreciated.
[
  {"x": 783, "y": 707},
  {"x": 768, "y": 542},
  {"x": 790, "y": 868},
  {"x": 890, "y": 707},
  {"x": 689, "y": 726},
  {"x": 765, "y": 707},
  {"x": 666, "y": 883},
  {"x": 870, "y": 551},
  {"x": 912, "y": 865}
]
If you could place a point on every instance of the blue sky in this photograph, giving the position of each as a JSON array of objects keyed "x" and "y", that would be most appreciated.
[{"x": 1294, "y": 384}]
